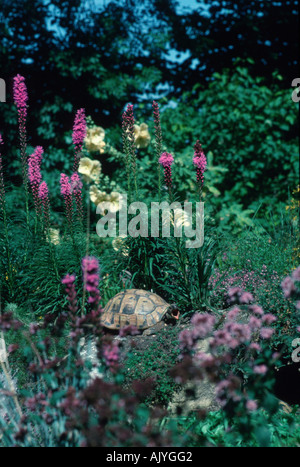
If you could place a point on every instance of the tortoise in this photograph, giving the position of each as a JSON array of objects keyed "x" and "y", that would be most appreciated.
[{"x": 139, "y": 308}]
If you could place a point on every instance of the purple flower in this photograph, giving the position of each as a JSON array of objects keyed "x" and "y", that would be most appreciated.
[
  {"x": 251, "y": 405},
  {"x": 166, "y": 160},
  {"x": 203, "y": 324},
  {"x": 65, "y": 187},
  {"x": 79, "y": 133},
  {"x": 20, "y": 94},
  {"x": 256, "y": 309},
  {"x": 69, "y": 282},
  {"x": 34, "y": 174},
  {"x": 233, "y": 313},
  {"x": 43, "y": 191},
  {"x": 111, "y": 354},
  {"x": 296, "y": 274},
  {"x": 254, "y": 323},
  {"x": 246, "y": 297},
  {"x": 90, "y": 268},
  {"x": 260, "y": 369},
  {"x": 76, "y": 187},
  {"x": 266, "y": 333},
  {"x": 288, "y": 287},
  {"x": 20, "y": 98},
  {"x": 268, "y": 318},
  {"x": 199, "y": 161}
]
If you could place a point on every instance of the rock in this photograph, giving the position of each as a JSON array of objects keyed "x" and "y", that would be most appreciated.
[{"x": 195, "y": 395}]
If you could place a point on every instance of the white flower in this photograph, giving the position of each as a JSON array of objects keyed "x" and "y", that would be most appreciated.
[
  {"x": 89, "y": 169},
  {"x": 94, "y": 140},
  {"x": 54, "y": 236},
  {"x": 113, "y": 201},
  {"x": 141, "y": 135}
]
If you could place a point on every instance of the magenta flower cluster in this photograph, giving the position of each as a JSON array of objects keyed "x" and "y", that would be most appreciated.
[
  {"x": 76, "y": 189},
  {"x": 79, "y": 133},
  {"x": 34, "y": 175},
  {"x": 199, "y": 161},
  {"x": 90, "y": 269},
  {"x": 291, "y": 286},
  {"x": 166, "y": 160},
  {"x": 69, "y": 188},
  {"x": 20, "y": 95}
]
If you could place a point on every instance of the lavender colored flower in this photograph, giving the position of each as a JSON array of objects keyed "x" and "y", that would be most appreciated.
[
  {"x": 256, "y": 309},
  {"x": 268, "y": 318},
  {"x": 233, "y": 313},
  {"x": 266, "y": 333},
  {"x": 203, "y": 324},
  {"x": 111, "y": 354},
  {"x": 296, "y": 274},
  {"x": 254, "y": 323},
  {"x": 186, "y": 340},
  {"x": 251, "y": 405},
  {"x": 255, "y": 346},
  {"x": 288, "y": 287},
  {"x": 90, "y": 268},
  {"x": 260, "y": 369},
  {"x": 246, "y": 297}
]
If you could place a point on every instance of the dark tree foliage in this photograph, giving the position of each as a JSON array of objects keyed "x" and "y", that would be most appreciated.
[
  {"x": 76, "y": 54},
  {"x": 217, "y": 32}
]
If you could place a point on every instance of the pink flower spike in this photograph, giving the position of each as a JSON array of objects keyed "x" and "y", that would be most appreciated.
[
  {"x": 79, "y": 133},
  {"x": 166, "y": 160},
  {"x": 199, "y": 161},
  {"x": 20, "y": 93},
  {"x": 79, "y": 128}
]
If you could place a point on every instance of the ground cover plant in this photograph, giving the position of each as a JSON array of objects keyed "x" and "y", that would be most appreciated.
[{"x": 242, "y": 293}]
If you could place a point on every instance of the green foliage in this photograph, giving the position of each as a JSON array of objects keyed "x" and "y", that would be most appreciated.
[
  {"x": 214, "y": 431},
  {"x": 154, "y": 363},
  {"x": 250, "y": 129}
]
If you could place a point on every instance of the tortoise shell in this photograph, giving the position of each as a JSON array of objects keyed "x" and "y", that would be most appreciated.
[{"x": 139, "y": 308}]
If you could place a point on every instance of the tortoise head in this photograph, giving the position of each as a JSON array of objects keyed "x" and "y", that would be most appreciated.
[{"x": 172, "y": 313}]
